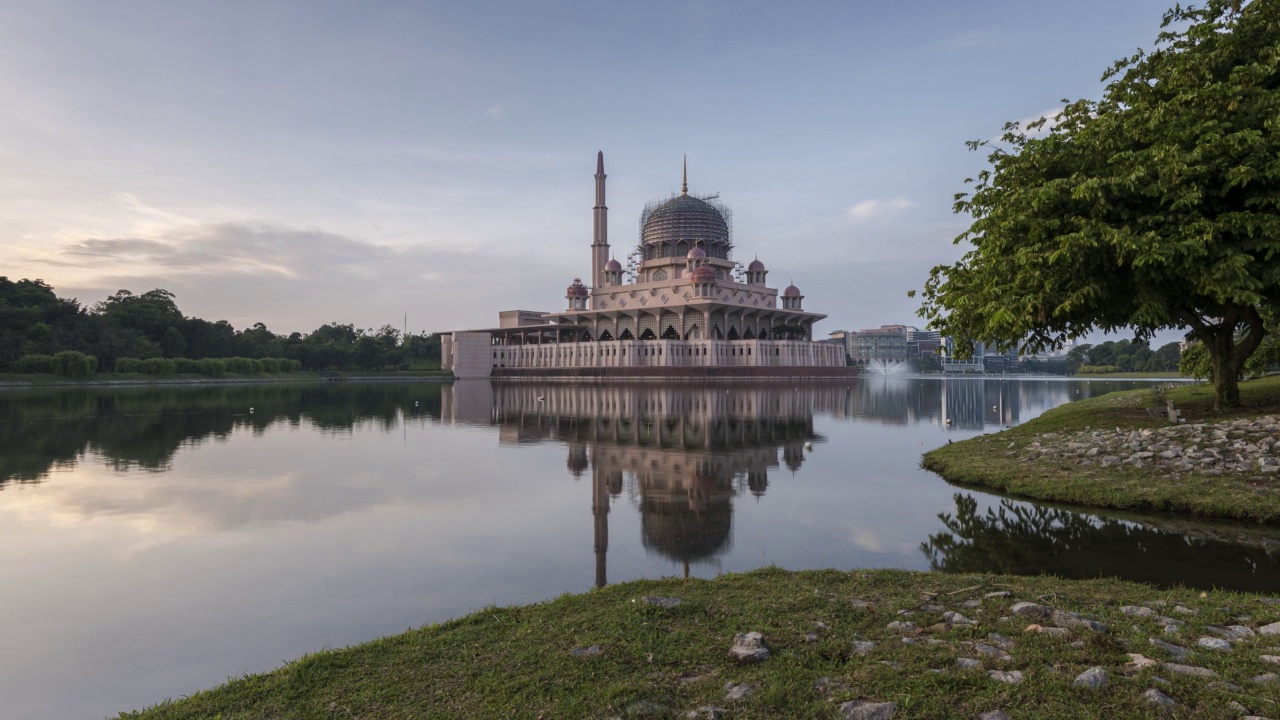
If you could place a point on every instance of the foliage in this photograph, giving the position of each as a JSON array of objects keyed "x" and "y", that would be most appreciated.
[
  {"x": 126, "y": 329},
  {"x": 1099, "y": 369},
  {"x": 72, "y": 364},
  {"x": 1156, "y": 207},
  {"x": 1195, "y": 362}
]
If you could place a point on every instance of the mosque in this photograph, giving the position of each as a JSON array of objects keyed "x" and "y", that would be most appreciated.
[{"x": 681, "y": 306}]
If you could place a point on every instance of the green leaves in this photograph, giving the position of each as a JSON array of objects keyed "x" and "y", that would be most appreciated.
[{"x": 1157, "y": 203}]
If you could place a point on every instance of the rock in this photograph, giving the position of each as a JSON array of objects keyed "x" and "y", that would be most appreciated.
[
  {"x": 1095, "y": 678},
  {"x": 1137, "y": 611},
  {"x": 749, "y": 647},
  {"x": 994, "y": 715},
  {"x": 590, "y": 651},
  {"x": 1272, "y": 629},
  {"x": 1254, "y": 717},
  {"x": 1062, "y": 618},
  {"x": 1183, "y": 610},
  {"x": 972, "y": 603},
  {"x": 1190, "y": 670},
  {"x": 865, "y": 710},
  {"x": 738, "y": 691},
  {"x": 662, "y": 602},
  {"x": 1175, "y": 650},
  {"x": 645, "y": 709},
  {"x": 1000, "y": 641},
  {"x": 707, "y": 711},
  {"x": 1030, "y": 609},
  {"x": 1173, "y": 628},
  {"x": 968, "y": 663},
  {"x": 992, "y": 652},
  {"x": 810, "y": 637},
  {"x": 1054, "y": 631},
  {"x": 1138, "y": 662},
  {"x": 998, "y": 594},
  {"x": 1264, "y": 678},
  {"x": 1214, "y": 643},
  {"x": 863, "y": 647},
  {"x": 1013, "y": 677},
  {"x": 892, "y": 663},
  {"x": 1220, "y": 686},
  {"x": 862, "y": 604},
  {"x": 820, "y": 626},
  {"x": 1158, "y": 698},
  {"x": 1232, "y": 632},
  {"x": 1270, "y": 658},
  {"x": 902, "y": 627},
  {"x": 956, "y": 618}
]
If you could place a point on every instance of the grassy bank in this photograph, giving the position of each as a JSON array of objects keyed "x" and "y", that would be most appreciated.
[
  {"x": 995, "y": 461},
  {"x": 45, "y": 379},
  {"x": 655, "y": 661},
  {"x": 1171, "y": 375}
]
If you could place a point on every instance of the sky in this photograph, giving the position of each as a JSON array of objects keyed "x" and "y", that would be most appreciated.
[{"x": 296, "y": 163}]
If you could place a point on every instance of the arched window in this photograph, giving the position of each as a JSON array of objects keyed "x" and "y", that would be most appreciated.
[
  {"x": 659, "y": 274},
  {"x": 648, "y": 334},
  {"x": 626, "y": 335}
]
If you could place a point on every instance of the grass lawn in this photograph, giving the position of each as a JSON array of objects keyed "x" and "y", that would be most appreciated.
[
  {"x": 663, "y": 662},
  {"x": 1142, "y": 375},
  {"x": 984, "y": 461}
]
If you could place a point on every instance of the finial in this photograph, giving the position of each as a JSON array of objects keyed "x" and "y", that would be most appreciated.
[
  {"x": 684, "y": 180},
  {"x": 600, "y": 163}
]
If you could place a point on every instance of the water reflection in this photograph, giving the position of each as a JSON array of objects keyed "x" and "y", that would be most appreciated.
[
  {"x": 143, "y": 428},
  {"x": 682, "y": 454},
  {"x": 1022, "y": 539}
]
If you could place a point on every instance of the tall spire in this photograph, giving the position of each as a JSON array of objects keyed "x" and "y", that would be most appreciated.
[
  {"x": 600, "y": 235},
  {"x": 684, "y": 178}
]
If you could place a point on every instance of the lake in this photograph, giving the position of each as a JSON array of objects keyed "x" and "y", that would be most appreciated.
[{"x": 159, "y": 540}]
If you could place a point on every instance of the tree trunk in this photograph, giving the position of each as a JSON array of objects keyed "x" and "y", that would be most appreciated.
[{"x": 1227, "y": 355}]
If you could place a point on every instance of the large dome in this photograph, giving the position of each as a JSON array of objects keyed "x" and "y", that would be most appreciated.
[{"x": 674, "y": 227}]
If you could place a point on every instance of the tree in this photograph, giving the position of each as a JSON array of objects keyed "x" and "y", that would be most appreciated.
[{"x": 1156, "y": 207}]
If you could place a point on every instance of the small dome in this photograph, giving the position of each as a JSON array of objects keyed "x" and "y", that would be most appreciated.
[
  {"x": 577, "y": 289},
  {"x": 613, "y": 266},
  {"x": 791, "y": 291},
  {"x": 706, "y": 273},
  {"x": 756, "y": 266},
  {"x": 697, "y": 254}
]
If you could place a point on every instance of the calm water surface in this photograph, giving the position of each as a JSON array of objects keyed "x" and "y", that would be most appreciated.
[{"x": 157, "y": 541}]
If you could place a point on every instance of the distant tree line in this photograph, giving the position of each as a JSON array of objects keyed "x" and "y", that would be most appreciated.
[
  {"x": 1123, "y": 356},
  {"x": 147, "y": 333}
]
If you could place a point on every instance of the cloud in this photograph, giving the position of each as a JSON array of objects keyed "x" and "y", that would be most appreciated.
[
  {"x": 878, "y": 208},
  {"x": 297, "y": 277},
  {"x": 495, "y": 112}
]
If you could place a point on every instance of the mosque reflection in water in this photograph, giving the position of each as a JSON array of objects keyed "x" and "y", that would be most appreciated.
[{"x": 685, "y": 453}]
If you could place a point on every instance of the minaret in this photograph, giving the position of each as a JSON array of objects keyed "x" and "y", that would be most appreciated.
[
  {"x": 600, "y": 512},
  {"x": 600, "y": 236}
]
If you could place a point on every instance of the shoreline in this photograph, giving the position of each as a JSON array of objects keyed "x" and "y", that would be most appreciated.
[
  {"x": 831, "y": 644},
  {"x": 1116, "y": 452},
  {"x": 160, "y": 381}
]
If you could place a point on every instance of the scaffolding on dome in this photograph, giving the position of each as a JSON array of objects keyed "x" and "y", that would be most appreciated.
[{"x": 677, "y": 230}]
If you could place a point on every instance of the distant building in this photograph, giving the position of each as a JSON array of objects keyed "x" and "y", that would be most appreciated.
[
  {"x": 887, "y": 343},
  {"x": 950, "y": 363},
  {"x": 684, "y": 303}
]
